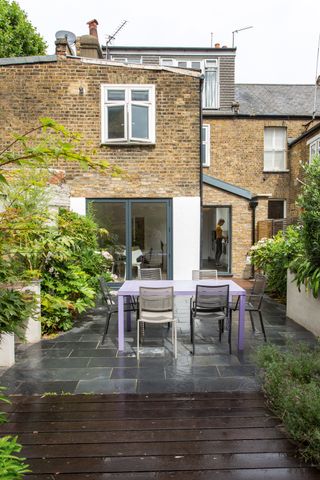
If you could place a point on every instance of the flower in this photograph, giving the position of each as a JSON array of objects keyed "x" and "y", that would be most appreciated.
[{"x": 107, "y": 255}]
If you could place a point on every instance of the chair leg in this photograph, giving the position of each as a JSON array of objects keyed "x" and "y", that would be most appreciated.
[
  {"x": 220, "y": 330},
  {"x": 262, "y": 326},
  {"x": 191, "y": 327},
  {"x": 192, "y": 335},
  {"x": 138, "y": 339},
  {"x": 174, "y": 338},
  {"x": 106, "y": 328},
  {"x": 252, "y": 321},
  {"x": 230, "y": 331}
]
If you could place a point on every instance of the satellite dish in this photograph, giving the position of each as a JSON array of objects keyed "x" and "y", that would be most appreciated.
[{"x": 71, "y": 38}]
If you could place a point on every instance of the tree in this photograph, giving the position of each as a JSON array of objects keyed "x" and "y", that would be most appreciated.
[{"x": 18, "y": 37}]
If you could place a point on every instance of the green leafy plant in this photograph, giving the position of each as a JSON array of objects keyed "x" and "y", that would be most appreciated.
[
  {"x": 291, "y": 381},
  {"x": 307, "y": 265},
  {"x": 274, "y": 255},
  {"x": 12, "y": 467},
  {"x": 15, "y": 308}
]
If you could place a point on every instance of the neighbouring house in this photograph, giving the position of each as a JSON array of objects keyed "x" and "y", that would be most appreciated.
[{"x": 195, "y": 146}]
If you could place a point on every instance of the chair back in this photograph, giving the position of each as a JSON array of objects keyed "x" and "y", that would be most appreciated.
[
  {"x": 257, "y": 292},
  {"x": 111, "y": 300},
  {"x": 150, "y": 274},
  {"x": 211, "y": 298},
  {"x": 156, "y": 299},
  {"x": 204, "y": 274}
]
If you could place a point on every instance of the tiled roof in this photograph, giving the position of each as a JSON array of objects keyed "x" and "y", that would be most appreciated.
[{"x": 260, "y": 99}]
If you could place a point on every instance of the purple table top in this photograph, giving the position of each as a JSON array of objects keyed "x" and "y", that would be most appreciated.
[{"x": 181, "y": 287}]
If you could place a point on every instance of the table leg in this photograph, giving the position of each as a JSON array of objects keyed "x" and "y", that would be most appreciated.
[
  {"x": 128, "y": 315},
  {"x": 120, "y": 323},
  {"x": 241, "y": 325}
]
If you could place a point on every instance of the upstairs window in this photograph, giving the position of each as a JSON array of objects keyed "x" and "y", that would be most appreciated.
[
  {"x": 314, "y": 148},
  {"x": 275, "y": 149},
  {"x": 205, "y": 145},
  {"x": 128, "y": 114},
  {"x": 211, "y": 84}
]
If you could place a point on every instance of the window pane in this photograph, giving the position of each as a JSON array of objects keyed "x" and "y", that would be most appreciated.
[
  {"x": 312, "y": 150},
  {"x": 268, "y": 160},
  {"x": 116, "y": 121},
  {"x": 182, "y": 64},
  {"x": 210, "y": 85},
  {"x": 279, "y": 163},
  {"x": 196, "y": 65},
  {"x": 280, "y": 138},
  {"x": 204, "y": 134},
  {"x": 268, "y": 138},
  {"x": 116, "y": 94},
  {"x": 140, "y": 95},
  {"x": 140, "y": 121},
  {"x": 204, "y": 154},
  {"x": 167, "y": 61},
  {"x": 276, "y": 209}
]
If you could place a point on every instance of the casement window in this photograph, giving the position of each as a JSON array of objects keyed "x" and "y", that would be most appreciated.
[
  {"x": 275, "y": 149},
  {"x": 314, "y": 148},
  {"x": 128, "y": 113},
  {"x": 211, "y": 84},
  {"x": 205, "y": 145},
  {"x": 135, "y": 60},
  {"x": 276, "y": 209}
]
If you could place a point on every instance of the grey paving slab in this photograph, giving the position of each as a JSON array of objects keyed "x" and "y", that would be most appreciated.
[{"x": 106, "y": 386}]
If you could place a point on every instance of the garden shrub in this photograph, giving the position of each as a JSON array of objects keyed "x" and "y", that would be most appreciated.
[
  {"x": 12, "y": 467},
  {"x": 15, "y": 308},
  {"x": 291, "y": 382},
  {"x": 273, "y": 256},
  {"x": 307, "y": 265}
]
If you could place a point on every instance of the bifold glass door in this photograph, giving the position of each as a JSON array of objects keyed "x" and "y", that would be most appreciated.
[
  {"x": 139, "y": 234},
  {"x": 216, "y": 239}
]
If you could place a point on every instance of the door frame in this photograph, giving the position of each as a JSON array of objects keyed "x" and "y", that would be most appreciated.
[{"x": 128, "y": 202}]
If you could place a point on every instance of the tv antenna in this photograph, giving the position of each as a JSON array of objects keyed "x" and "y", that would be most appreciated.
[
  {"x": 110, "y": 38},
  {"x": 236, "y": 31}
]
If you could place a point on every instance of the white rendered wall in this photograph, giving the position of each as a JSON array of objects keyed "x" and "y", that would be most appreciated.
[
  {"x": 78, "y": 205},
  {"x": 186, "y": 236}
]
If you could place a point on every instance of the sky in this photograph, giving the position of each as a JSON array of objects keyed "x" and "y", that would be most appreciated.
[{"x": 280, "y": 48}]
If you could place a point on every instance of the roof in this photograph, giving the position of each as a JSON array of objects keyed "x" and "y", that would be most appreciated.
[
  {"x": 23, "y": 60},
  {"x": 114, "y": 49},
  {"x": 281, "y": 100},
  {"x": 227, "y": 187}
]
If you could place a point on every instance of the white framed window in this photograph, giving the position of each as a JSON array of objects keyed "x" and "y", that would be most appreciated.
[
  {"x": 128, "y": 113},
  {"x": 277, "y": 209},
  {"x": 136, "y": 60},
  {"x": 205, "y": 145},
  {"x": 314, "y": 147},
  {"x": 275, "y": 149},
  {"x": 211, "y": 84}
]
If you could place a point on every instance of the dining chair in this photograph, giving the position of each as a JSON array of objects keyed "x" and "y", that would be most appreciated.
[
  {"x": 212, "y": 303},
  {"x": 156, "y": 306},
  {"x": 150, "y": 274},
  {"x": 111, "y": 300},
  {"x": 254, "y": 302},
  {"x": 204, "y": 274}
]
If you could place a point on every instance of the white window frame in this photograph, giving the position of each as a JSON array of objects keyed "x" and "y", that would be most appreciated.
[
  {"x": 134, "y": 61},
  {"x": 127, "y": 103},
  {"x": 314, "y": 142},
  {"x": 274, "y": 150},
  {"x": 206, "y": 143},
  {"x": 213, "y": 63}
]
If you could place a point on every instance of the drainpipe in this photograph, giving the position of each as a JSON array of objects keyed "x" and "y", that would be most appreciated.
[
  {"x": 201, "y": 168},
  {"x": 253, "y": 205}
]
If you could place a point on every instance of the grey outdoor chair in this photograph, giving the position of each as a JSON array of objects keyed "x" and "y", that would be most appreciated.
[
  {"x": 150, "y": 274},
  {"x": 254, "y": 302},
  {"x": 156, "y": 306},
  {"x": 204, "y": 274},
  {"x": 111, "y": 300},
  {"x": 211, "y": 302}
]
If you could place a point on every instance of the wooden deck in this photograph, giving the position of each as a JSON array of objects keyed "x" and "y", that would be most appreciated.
[{"x": 156, "y": 437}]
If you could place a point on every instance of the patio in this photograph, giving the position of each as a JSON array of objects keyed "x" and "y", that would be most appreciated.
[{"x": 76, "y": 362}]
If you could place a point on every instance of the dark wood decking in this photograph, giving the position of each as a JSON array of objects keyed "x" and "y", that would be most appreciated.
[{"x": 155, "y": 437}]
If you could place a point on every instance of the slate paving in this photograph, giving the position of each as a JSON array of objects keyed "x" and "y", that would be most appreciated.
[{"x": 76, "y": 362}]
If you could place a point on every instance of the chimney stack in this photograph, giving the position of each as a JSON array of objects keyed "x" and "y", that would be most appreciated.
[{"x": 93, "y": 28}]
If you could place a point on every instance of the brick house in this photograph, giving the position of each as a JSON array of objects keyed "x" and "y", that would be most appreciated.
[{"x": 196, "y": 147}]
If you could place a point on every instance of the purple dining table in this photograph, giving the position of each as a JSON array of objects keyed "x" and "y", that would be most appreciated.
[{"x": 181, "y": 288}]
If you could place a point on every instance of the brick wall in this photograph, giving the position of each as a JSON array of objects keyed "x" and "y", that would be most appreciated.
[{"x": 167, "y": 169}]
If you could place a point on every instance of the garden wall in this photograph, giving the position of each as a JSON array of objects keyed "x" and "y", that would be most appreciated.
[{"x": 302, "y": 307}]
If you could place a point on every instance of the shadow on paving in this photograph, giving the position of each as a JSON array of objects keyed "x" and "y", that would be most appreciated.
[{"x": 76, "y": 362}]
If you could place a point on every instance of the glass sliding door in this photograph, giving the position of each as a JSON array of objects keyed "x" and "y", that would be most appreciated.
[
  {"x": 216, "y": 239},
  {"x": 149, "y": 227},
  {"x": 139, "y": 234}
]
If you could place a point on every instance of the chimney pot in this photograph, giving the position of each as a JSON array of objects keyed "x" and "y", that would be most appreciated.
[
  {"x": 217, "y": 45},
  {"x": 93, "y": 27}
]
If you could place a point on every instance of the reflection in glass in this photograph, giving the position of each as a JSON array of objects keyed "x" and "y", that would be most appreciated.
[
  {"x": 116, "y": 121},
  {"x": 140, "y": 121}
]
